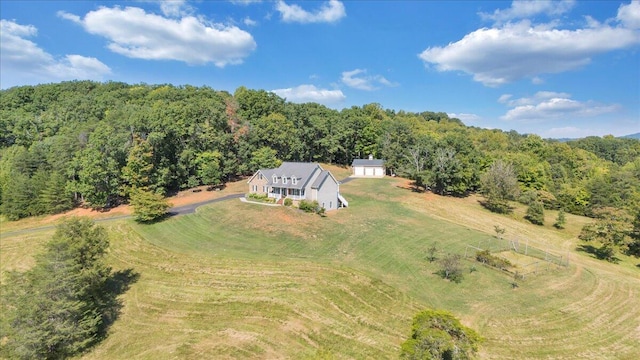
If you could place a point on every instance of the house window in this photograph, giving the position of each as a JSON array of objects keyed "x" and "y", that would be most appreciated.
[
  {"x": 284, "y": 179},
  {"x": 330, "y": 204},
  {"x": 260, "y": 177},
  {"x": 255, "y": 188},
  {"x": 294, "y": 180},
  {"x": 264, "y": 189},
  {"x": 275, "y": 179}
]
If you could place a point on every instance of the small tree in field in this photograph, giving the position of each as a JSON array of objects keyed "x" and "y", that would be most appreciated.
[
  {"x": 450, "y": 268},
  {"x": 148, "y": 206},
  {"x": 535, "y": 213},
  {"x": 432, "y": 252},
  {"x": 560, "y": 220},
  {"x": 499, "y": 231}
]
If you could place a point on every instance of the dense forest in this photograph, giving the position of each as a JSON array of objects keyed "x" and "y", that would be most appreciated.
[{"x": 89, "y": 143}]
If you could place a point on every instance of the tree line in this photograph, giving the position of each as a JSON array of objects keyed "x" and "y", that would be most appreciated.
[{"x": 96, "y": 144}]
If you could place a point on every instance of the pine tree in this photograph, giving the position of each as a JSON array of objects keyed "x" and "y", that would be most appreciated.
[
  {"x": 56, "y": 308},
  {"x": 560, "y": 220},
  {"x": 54, "y": 197},
  {"x": 535, "y": 213},
  {"x": 16, "y": 197}
]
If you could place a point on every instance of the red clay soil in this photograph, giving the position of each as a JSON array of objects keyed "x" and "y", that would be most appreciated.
[{"x": 185, "y": 197}]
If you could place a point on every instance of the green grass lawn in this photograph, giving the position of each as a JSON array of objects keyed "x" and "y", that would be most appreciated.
[{"x": 240, "y": 280}]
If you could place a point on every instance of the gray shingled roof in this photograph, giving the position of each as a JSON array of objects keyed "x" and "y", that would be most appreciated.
[
  {"x": 301, "y": 171},
  {"x": 323, "y": 175},
  {"x": 367, "y": 162}
]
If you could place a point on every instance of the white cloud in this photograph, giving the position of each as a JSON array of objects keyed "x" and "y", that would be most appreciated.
[
  {"x": 310, "y": 93},
  {"x": 175, "y": 8},
  {"x": 466, "y": 118},
  {"x": 244, "y": 2},
  {"x": 548, "y": 105},
  {"x": 358, "y": 79},
  {"x": 527, "y": 8},
  {"x": 330, "y": 11},
  {"x": 249, "y": 22},
  {"x": 496, "y": 56},
  {"x": 136, "y": 34},
  {"x": 23, "y": 61},
  {"x": 504, "y": 98},
  {"x": 629, "y": 15}
]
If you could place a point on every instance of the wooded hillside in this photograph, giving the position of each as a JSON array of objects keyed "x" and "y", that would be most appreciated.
[{"x": 91, "y": 143}]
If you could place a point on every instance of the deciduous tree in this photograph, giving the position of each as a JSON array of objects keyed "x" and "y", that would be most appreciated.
[
  {"x": 437, "y": 334},
  {"x": 148, "y": 206},
  {"x": 499, "y": 185}
]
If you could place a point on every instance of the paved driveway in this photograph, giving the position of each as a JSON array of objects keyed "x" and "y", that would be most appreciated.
[{"x": 175, "y": 211}]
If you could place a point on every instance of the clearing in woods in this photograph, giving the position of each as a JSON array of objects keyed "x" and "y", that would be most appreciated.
[{"x": 237, "y": 280}]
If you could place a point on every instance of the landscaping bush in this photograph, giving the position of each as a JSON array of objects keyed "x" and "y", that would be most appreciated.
[
  {"x": 258, "y": 197},
  {"x": 485, "y": 257},
  {"x": 288, "y": 202},
  {"x": 311, "y": 207},
  {"x": 308, "y": 206}
]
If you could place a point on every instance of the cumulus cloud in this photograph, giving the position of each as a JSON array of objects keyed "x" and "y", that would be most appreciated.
[
  {"x": 358, "y": 79},
  {"x": 310, "y": 93},
  {"x": 331, "y": 11},
  {"x": 629, "y": 15},
  {"x": 549, "y": 105},
  {"x": 136, "y": 34},
  {"x": 518, "y": 50},
  {"x": 528, "y": 8},
  {"x": 23, "y": 61}
]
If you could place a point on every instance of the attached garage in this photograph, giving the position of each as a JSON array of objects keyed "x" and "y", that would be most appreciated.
[{"x": 368, "y": 167}]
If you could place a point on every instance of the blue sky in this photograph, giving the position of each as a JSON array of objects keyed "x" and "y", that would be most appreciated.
[{"x": 555, "y": 68}]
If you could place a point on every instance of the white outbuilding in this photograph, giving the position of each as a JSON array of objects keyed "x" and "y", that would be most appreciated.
[{"x": 368, "y": 167}]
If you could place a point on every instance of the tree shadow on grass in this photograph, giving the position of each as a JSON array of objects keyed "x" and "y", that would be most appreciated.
[
  {"x": 599, "y": 253},
  {"x": 110, "y": 305}
]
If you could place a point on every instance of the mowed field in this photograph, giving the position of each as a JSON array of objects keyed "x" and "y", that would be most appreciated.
[{"x": 238, "y": 280}]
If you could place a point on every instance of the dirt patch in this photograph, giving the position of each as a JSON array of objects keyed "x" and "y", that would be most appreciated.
[
  {"x": 284, "y": 217},
  {"x": 196, "y": 195},
  {"x": 94, "y": 214},
  {"x": 184, "y": 197}
]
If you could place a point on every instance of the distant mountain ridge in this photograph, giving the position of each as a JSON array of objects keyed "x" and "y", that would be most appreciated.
[{"x": 630, "y": 136}]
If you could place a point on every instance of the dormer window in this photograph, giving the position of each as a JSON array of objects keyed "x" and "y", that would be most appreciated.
[
  {"x": 294, "y": 180},
  {"x": 284, "y": 179},
  {"x": 275, "y": 179}
]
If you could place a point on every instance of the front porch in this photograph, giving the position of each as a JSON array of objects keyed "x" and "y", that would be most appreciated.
[{"x": 279, "y": 193}]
